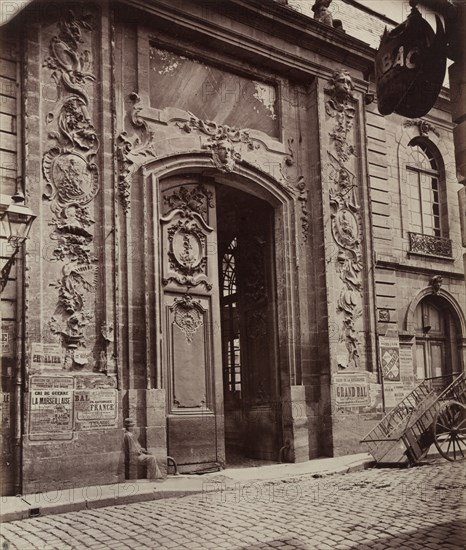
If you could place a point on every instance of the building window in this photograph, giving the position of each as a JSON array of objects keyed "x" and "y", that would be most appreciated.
[{"x": 423, "y": 175}]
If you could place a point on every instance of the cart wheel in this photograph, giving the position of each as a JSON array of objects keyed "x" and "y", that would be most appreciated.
[{"x": 450, "y": 430}]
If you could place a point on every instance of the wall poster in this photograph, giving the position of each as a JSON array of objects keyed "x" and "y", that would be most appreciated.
[
  {"x": 352, "y": 390},
  {"x": 51, "y": 408},
  {"x": 95, "y": 409},
  {"x": 389, "y": 351},
  {"x": 46, "y": 356}
]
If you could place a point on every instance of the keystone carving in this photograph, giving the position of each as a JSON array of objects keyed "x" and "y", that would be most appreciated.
[
  {"x": 423, "y": 126},
  {"x": 436, "y": 283},
  {"x": 221, "y": 141}
]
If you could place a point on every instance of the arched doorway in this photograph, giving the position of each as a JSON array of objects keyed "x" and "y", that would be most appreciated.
[
  {"x": 218, "y": 329},
  {"x": 437, "y": 338}
]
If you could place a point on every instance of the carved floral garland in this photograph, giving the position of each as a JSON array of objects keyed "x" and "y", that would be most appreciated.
[
  {"x": 345, "y": 213},
  {"x": 72, "y": 181}
]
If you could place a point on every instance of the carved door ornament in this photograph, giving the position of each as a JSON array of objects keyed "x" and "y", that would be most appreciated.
[
  {"x": 186, "y": 230},
  {"x": 194, "y": 200},
  {"x": 188, "y": 316},
  {"x": 187, "y": 243}
]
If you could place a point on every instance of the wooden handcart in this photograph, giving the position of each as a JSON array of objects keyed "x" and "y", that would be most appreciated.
[{"x": 433, "y": 413}]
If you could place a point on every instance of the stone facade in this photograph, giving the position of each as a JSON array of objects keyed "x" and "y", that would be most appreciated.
[{"x": 148, "y": 133}]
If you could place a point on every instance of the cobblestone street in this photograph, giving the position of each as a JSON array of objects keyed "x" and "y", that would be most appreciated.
[{"x": 419, "y": 508}]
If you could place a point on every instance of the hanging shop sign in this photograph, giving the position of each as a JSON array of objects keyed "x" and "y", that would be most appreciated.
[{"x": 410, "y": 67}]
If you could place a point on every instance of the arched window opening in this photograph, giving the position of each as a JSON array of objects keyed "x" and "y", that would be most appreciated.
[
  {"x": 424, "y": 176},
  {"x": 436, "y": 346}
]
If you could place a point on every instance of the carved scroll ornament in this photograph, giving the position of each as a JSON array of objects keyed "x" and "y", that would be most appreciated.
[
  {"x": 132, "y": 151},
  {"x": 72, "y": 180},
  {"x": 345, "y": 214}
]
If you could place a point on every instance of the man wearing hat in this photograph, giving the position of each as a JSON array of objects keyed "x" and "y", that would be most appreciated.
[{"x": 134, "y": 449}]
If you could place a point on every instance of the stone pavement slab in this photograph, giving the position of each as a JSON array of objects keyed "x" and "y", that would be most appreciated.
[{"x": 70, "y": 499}]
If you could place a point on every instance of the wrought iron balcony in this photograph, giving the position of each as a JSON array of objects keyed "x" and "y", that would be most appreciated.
[{"x": 430, "y": 245}]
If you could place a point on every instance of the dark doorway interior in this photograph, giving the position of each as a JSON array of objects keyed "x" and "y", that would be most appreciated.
[{"x": 248, "y": 327}]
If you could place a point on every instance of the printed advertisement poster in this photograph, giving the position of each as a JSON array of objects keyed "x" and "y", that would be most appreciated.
[
  {"x": 407, "y": 367},
  {"x": 394, "y": 393},
  {"x": 96, "y": 409},
  {"x": 51, "y": 407},
  {"x": 46, "y": 356},
  {"x": 352, "y": 390},
  {"x": 8, "y": 334},
  {"x": 389, "y": 349}
]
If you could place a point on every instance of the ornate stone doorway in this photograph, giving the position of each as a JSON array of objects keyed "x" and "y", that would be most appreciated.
[{"x": 218, "y": 323}]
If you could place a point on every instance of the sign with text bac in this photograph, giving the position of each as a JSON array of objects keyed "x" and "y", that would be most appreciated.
[{"x": 410, "y": 67}]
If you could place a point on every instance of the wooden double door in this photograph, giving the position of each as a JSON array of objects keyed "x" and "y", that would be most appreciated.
[{"x": 218, "y": 324}]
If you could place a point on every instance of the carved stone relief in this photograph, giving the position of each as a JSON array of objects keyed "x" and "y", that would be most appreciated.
[
  {"x": 228, "y": 146},
  {"x": 423, "y": 126},
  {"x": 322, "y": 13},
  {"x": 299, "y": 185},
  {"x": 106, "y": 363},
  {"x": 132, "y": 151},
  {"x": 188, "y": 316},
  {"x": 187, "y": 244},
  {"x": 189, "y": 200},
  {"x": 345, "y": 215},
  {"x": 186, "y": 216},
  {"x": 221, "y": 141},
  {"x": 72, "y": 182},
  {"x": 340, "y": 106},
  {"x": 436, "y": 283}
]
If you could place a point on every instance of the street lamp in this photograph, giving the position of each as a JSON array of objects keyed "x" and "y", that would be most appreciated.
[{"x": 15, "y": 221}]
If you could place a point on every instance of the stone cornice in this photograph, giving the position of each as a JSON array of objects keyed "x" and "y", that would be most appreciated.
[
  {"x": 437, "y": 270},
  {"x": 300, "y": 36}
]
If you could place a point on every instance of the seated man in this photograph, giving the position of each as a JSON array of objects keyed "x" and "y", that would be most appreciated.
[{"x": 135, "y": 451}]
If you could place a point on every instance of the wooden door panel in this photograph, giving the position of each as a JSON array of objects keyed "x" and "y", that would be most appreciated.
[
  {"x": 190, "y": 305},
  {"x": 192, "y": 440}
]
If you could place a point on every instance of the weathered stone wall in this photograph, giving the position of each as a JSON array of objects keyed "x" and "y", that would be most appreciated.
[{"x": 71, "y": 402}]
